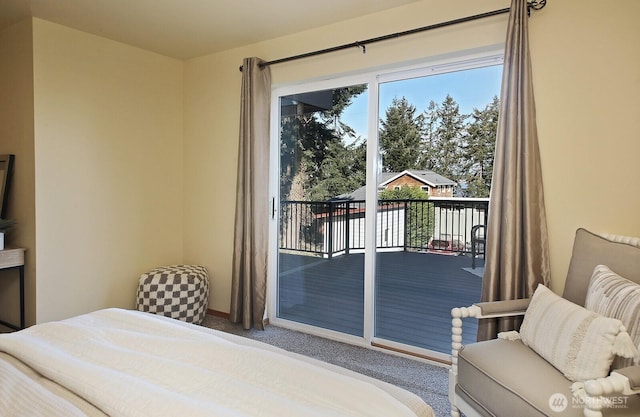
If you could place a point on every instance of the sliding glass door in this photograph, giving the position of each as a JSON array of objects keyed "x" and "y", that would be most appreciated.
[{"x": 380, "y": 198}]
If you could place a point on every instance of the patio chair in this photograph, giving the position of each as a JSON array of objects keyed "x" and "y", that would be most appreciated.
[
  {"x": 477, "y": 240},
  {"x": 558, "y": 364}
]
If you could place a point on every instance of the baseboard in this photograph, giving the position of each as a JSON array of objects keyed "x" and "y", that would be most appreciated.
[
  {"x": 224, "y": 315},
  {"x": 217, "y": 313}
]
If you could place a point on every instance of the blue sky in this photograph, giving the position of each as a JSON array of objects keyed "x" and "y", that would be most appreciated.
[{"x": 469, "y": 88}]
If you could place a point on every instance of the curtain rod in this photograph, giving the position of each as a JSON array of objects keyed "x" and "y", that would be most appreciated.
[{"x": 534, "y": 4}]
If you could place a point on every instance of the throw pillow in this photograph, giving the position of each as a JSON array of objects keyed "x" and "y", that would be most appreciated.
[
  {"x": 578, "y": 342},
  {"x": 614, "y": 296}
]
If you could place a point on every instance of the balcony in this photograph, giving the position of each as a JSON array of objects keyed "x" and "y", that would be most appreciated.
[{"x": 321, "y": 266}]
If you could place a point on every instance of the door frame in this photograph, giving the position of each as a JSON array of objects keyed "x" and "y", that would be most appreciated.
[{"x": 373, "y": 78}]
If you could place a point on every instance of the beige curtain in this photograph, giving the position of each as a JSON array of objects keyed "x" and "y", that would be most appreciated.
[
  {"x": 249, "y": 275},
  {"x": 517, "y": 247}
]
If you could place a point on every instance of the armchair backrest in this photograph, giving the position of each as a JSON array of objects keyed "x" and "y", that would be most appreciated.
[{"x": 620, "y": 254}]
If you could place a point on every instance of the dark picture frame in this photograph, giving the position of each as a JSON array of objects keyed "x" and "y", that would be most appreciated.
[{"x": 6, "y": 174}]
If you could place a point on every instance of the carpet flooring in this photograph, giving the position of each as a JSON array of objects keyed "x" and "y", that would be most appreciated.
[{"x": 428, "y": 381}]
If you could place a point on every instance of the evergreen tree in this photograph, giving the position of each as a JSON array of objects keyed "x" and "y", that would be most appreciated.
[
  {"x": 478, "y": 150},
  {"x": 317, "y": 163},
  {"x": 429, "y": 151},
  {"x": 447, "y": 138},
  {"x": 400, "y": 137},
  {"x": 342, "y": 170},
  {"x": 314, "y": 159}
]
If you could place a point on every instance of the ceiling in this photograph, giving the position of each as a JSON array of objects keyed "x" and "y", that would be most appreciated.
[{"x": 190, "y": 28}]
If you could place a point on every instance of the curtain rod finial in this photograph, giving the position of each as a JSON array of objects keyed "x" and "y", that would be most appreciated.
[{"x": 536, "y": 5}]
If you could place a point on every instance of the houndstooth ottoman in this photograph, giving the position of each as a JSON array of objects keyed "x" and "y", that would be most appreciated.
[{"x": 177, "y": 291}]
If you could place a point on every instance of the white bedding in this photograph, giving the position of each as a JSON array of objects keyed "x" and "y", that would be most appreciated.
[
  {"x": 128, "y": 363},
  {"x": 19, "y": 396}
]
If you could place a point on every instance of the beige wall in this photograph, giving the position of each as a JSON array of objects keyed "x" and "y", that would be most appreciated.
[
  {"x": 108, "y": 169},
  {"x": 586, "y": 62},
  {"x": 16, "y": 137},
  {"x": 586, "y": 70}
]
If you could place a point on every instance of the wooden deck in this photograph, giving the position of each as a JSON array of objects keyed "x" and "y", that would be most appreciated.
[{"x": 415, "y": 293}]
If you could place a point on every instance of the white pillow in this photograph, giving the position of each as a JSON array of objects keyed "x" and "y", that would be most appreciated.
[
  {"x": 578, "y": 342},
  {"x": 614, "y": 296}
]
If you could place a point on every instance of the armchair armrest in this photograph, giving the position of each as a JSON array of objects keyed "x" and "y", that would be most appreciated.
[
  {"x": 601, "y": 393},
  {"x": 624, "y": 381},
  {"x": 505, "y": 308},
  {"x": 481, "y": 311},
  {"x": 492, "y": 309}
]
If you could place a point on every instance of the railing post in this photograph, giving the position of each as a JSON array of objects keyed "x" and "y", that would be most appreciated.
[
  {"x": 486, "y": 213},
  {"x": 330, "y": 246},
  {"x": 406, "y": 229},
  {"x": 346, "y": 228}
]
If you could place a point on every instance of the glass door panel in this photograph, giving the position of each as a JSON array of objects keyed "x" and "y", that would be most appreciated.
[
  {"x": 321, "y": 231},
  {"x": 383, "y": 258},
  {"x": 436, "y": 138}
]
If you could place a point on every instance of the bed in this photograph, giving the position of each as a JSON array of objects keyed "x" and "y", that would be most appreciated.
[{"x": 117, "y": 362}]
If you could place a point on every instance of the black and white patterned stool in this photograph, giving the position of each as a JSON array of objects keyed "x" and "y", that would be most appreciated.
[{"x": 177, "y": 291}]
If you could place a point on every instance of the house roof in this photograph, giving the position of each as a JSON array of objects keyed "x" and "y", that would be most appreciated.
[{"x": 427, "y": 177}]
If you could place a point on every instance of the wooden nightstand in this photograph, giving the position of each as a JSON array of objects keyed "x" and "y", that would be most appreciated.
[{"x": 11, "y": 258}]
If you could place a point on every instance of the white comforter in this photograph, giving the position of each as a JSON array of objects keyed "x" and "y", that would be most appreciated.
[{"x": 128, "y": 363}]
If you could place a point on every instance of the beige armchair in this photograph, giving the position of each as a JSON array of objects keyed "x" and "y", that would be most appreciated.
[{"x": 507, "y": 378}]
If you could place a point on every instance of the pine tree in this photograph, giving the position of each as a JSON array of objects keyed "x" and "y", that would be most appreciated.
[
  {"x": 342, "y": 170},
  {"x": 428, "y": 149},
  {"x": 315, "y": 162},
  {"x": 478, "y": 150},
  {"x": 447, "y": 138},
  {"x": 400, "y": 137}
]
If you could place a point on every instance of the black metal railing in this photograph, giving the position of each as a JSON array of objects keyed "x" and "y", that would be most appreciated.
[{"x": 331, "y": 228}]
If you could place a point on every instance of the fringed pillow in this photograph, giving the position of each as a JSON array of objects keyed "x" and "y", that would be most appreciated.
[
  {"x": 578, "y": 342},
  {"x": 614, "y": 296}
]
